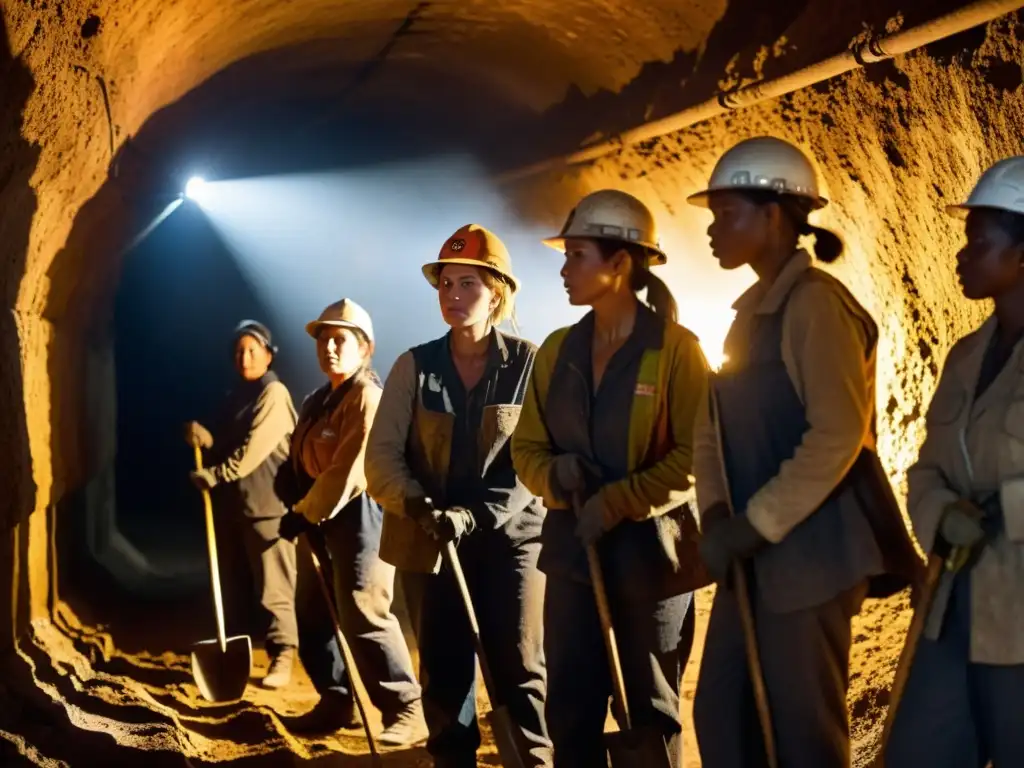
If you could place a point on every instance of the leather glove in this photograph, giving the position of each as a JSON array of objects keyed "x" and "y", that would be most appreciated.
[
  {"x": 448, "y": 525},
  {"x": 594, "y": 520},
  {"x": 197, "y": 433},
  {"x": 961, "y": 524},
  {"x": 203, "y": 479},
  {"x": 729, "y": 539},
  {"x": 570, "y": 475},
  {"x": 293, "y": 525}
]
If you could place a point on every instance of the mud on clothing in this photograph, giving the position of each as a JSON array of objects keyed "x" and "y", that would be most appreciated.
[
  {"x": 964, "y": 701},
  {"x": 434, "y": 438},
  {"x": 250, "y": 446},
  {"x": 327, "y": 481},
  {"x": 807, "y": 477},
  {"x": 637, "y": 428}
]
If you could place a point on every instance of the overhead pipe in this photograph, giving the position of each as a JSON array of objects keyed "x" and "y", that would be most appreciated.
[{"x": 858, "y": 55}]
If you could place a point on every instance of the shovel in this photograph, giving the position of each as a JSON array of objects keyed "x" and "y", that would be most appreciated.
[
  {"x": 630, "y": 747},
  {"x": 742, "y": 589},
  {"x": 345, "y": 651},
  {"x": 220, "y": 667},
  {"x": 506, "y": 732},
  {"x": 936, "y": 565}
]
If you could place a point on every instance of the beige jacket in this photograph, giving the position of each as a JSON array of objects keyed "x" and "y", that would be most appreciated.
[
  {"x": 991, "y": 432},
  {"x": 824, "y": 348},
  {"x": 330, "y": 447}
]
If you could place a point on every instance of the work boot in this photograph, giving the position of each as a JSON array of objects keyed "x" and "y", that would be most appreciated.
[
  {"x": 406, "y": 728},
  {"x": 334, "y": 712},
  {"x": 280, "y": 672}
]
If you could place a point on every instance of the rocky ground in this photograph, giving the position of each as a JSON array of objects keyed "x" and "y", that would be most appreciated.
[{"x": 121, "y": 695}]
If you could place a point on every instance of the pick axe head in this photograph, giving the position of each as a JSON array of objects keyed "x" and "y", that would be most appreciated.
[{"x": 222, "y": 675}]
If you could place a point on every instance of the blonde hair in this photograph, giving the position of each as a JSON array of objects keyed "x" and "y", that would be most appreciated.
[{"x": 506, "y": 306}]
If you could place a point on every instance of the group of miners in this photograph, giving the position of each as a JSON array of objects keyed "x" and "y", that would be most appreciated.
[{"x": 526, "y": 458}]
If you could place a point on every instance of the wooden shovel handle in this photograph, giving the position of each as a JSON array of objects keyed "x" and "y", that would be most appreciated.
[
  {"x": 913, "y": 639},
  {"x": 608, "y": 632},
  {"x": 211, "y": 547},
  {"x": 343, "y": 646}
]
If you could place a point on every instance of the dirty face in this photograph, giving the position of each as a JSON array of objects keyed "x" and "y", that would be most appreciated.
[
  {"x": 340, "y": 351},
  {"x": 991, "y": 262},
  {"x": 252, "y": 359},
  {"x": 740, "y": 230},
  {"x": 464, "y": 296},
  {"x": 587, "y": 275}
]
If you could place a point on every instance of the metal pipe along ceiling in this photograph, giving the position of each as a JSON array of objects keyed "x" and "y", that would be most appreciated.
[{"x": 858, "y": 55}]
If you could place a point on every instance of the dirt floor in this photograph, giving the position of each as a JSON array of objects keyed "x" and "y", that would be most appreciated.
[{"x": 117, "y": 695}]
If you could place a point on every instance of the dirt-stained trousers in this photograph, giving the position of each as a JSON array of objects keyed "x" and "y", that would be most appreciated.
[
  {"x": 363, "y": 586},
  {"x": 508, "y": 596}
]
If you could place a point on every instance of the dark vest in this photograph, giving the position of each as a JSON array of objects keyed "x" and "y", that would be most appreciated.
[
  {"x": 658, "y": 555},
  {"x": 857, "y": 533},
  {"x": 254, "y": 495},
  {"x": 498, "y": 499}
]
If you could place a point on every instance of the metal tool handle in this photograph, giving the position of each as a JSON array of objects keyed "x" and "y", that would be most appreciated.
[
  {"x": 345, "y": 650},
  {"x": 608, "y": 632},
  {"x": 452, "y": 556},
  {"x": 742, "y": 589},
  {"x": 211, "y": 547}
]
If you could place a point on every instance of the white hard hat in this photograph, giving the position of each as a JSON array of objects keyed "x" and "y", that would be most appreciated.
[
  {"x": 610, "y": 214},
  {"x": 343, "y": 314},
  {"x": 1000, "y": 187},
  {"x": 764, "y": 163}
]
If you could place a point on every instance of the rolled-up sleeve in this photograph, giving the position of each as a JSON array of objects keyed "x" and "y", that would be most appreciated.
[
  {"x": 272, "y": 424},
  {"x": 827, "y": 343},
  {"x": 389, "y": 479}
]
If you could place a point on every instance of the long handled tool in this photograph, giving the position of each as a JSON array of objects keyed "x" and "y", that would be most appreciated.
[
  {"x": 630, "y": 747},
  {"x": 933, "y": 574},
  {"x": 345, "y": 650},
  {"x": 933, "y": 584},
  {"x": 220, "y": 667},
  {"x": 506, "y": 732},
  {"x": 742, "y": 589}
]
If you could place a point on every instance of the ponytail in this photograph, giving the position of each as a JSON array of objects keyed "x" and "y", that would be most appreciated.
[
  {"x": 659, "y": 297},
  {"x": 828, "y": 246}
]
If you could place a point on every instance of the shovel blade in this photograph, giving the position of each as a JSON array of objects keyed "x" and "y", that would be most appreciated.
[
  {"x": 637, "y": 748},
  {"x": 506, "y": 737},
  {"x": 222, "y": 675}
]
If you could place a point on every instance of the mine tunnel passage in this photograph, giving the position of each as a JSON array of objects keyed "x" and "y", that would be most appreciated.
[{"x": 343, "y": 143}]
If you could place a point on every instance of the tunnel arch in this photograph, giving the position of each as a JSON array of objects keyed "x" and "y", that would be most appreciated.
[{"x": 91, "y": 109}]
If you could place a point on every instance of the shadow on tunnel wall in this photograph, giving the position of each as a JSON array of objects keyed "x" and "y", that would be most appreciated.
[{"x": 17, "y": 164}]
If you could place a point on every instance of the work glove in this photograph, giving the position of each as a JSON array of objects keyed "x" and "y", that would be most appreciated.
[
  {"x": 293, "y": 525},
  {"x": 203, "y": 479},
  {"x": 448, "y": 525},
  {"x": 726, "y": 540},
  {"x": 594, "y": 519},
  {"x": 960, "y": 525},
  {"x": 570, "y": 474},
  {"x": 197, "y": 433}
]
